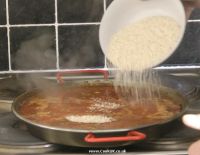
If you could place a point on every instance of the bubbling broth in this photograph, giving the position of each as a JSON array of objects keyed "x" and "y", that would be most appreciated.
[{"x": 95, "y": 108}]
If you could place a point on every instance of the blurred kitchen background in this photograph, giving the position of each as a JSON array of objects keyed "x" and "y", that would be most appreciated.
[{"x": 53, "y": 35}]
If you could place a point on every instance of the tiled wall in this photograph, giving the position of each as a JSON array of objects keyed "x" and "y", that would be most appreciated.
[{"x": 63, "y": 34}]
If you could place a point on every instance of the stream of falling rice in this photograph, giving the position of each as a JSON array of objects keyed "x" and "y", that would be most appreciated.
[
  {"x": 136, "y": 86},
  {"x": 135, "y": 49}
]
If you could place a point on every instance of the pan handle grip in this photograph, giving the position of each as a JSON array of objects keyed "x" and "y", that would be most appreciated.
[
  {"x": 59, "y": 74},
  {"x": 131, "y": 136}
]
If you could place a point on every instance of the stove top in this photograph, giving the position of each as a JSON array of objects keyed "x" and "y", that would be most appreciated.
[{"x": 15, "y": 138}]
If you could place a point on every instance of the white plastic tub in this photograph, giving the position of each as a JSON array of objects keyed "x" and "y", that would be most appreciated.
[{"x": 124, "y": 12}]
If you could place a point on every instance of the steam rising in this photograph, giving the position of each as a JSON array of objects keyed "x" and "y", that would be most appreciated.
[{"x": 37, "y": 52}]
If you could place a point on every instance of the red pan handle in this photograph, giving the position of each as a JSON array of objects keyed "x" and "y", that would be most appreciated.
[
  {"x": 59, "y": 75},
  {"x": 131, "y": 136}
]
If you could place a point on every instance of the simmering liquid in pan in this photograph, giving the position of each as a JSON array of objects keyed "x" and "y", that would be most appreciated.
[{"x": 96, "y": 107}]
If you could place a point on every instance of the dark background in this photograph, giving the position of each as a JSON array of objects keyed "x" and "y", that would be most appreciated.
[{"x": 33, "y": 35}]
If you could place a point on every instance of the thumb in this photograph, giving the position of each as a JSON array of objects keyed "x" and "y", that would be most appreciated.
[{"x": 192, "y": 120}]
